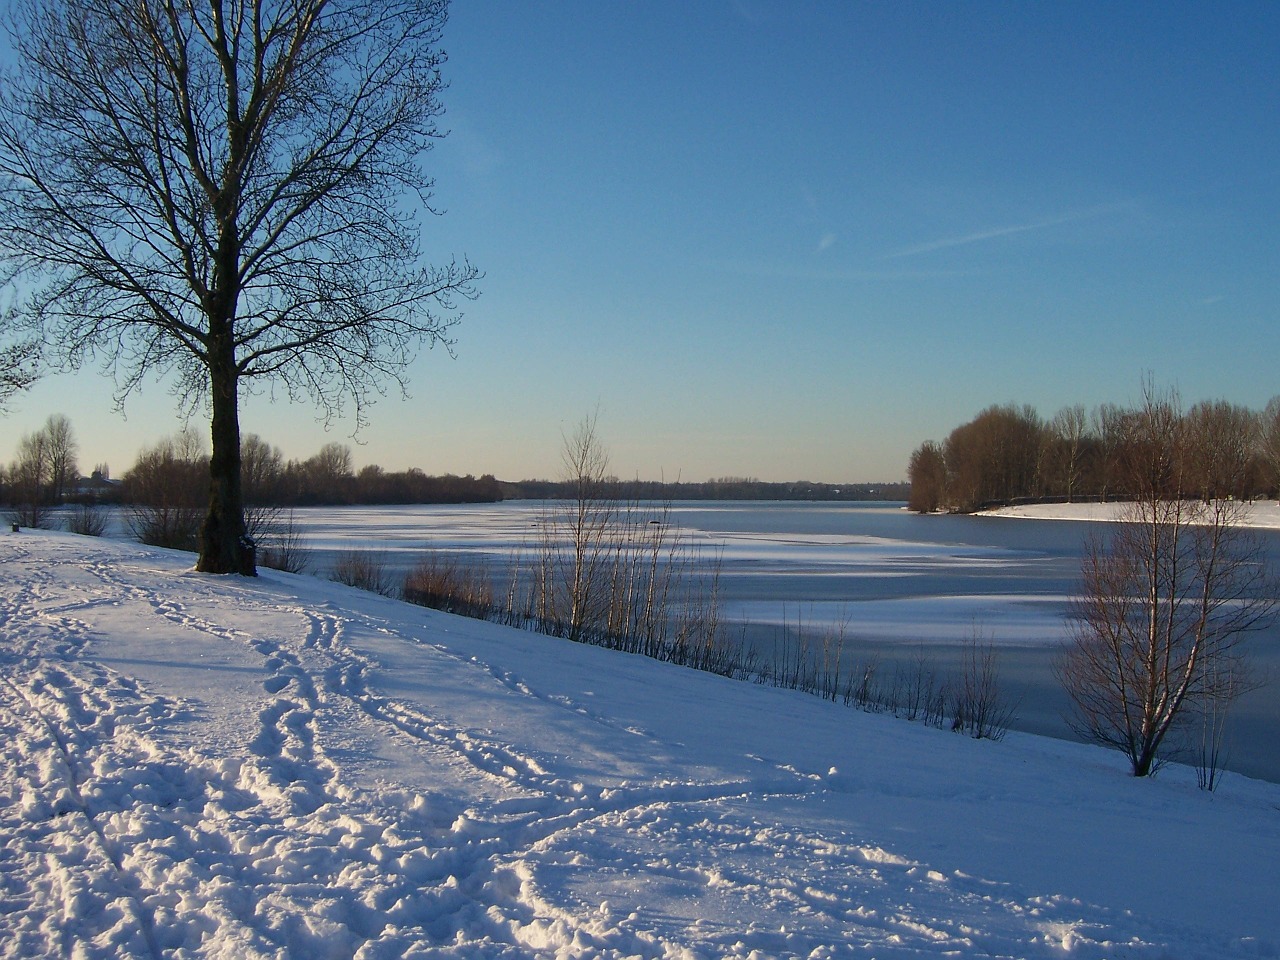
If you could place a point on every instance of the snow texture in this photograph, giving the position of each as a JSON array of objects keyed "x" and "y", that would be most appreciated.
[{"x": 199, "y": 766}]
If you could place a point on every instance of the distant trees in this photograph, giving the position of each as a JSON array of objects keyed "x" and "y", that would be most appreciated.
[
  {"x": 328, "y": 477},
  {"x": 165, "y": 491},
  {"x": 995, "y": 456},
  {"x": 330, "y": 472},
  {"x": 1008, "y": 453},
  {"x": 261, "y": 470},
  {"x": 1226, "y": 460},
  {"x": 160, "y": 486},
  {"x": 928, "y": 473},
  {"x": 717, "y": 488},
  {"x": 374, "y": 485},
  {"x": 1166, "y": 600},
  {"x": 1066, "y": 447},
  {"x": 62, "y": 446},
  {"x": 44, "y": 473},
  {"x": 29, "y": 482},
  {"x": 1269, "y": 442}
]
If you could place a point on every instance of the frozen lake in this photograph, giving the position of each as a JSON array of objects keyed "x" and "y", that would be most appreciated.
[{"x": 901, "y": 582}]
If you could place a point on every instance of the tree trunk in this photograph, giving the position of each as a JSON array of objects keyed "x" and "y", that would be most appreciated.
[{"x": 224, "y": 545}]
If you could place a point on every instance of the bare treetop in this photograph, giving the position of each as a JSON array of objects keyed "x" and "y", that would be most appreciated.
[{"x": 162, "y": 157}]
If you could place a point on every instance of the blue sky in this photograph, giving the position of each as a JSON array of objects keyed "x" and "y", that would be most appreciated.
[{"x": 794, "y": 240}]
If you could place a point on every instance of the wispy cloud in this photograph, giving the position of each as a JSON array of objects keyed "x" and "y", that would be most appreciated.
[
  {"x": 827, "y": 242},
  {"x": 752, "y": 11},
  {"x": 810, "y": 273},
  {"x": 978, "y": 236}
]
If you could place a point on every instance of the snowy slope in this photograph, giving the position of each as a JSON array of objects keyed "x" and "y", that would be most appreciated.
[{"x": 281, "y": 767}]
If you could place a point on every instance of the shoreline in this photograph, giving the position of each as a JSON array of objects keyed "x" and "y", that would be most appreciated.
[{"x": 1259, "y": 514}]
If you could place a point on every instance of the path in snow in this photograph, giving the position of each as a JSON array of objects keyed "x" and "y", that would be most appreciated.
[{"x": 204, "y": 766}]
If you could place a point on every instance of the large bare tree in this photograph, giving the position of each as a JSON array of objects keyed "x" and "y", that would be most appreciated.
[{"x": 227, "y": 193}]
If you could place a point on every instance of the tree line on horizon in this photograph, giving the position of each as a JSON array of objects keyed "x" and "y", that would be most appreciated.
[
  {"x": 719, "y": 488},
  {"x": 1009, "y": 453},
  {"x": 172, "y": 473}
]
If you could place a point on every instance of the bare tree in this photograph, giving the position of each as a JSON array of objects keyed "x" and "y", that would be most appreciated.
[
  {"x": 88, "y": 519},
  {"x": 584, "y": 523},
  {"x": 1222, "y": 440},
  {"x": 329, "y": 473},
  {"x": 215, "y": 192},
  {"x": 364, "y": 569},
  {"x": 281, "y": 545},
  {"x": 261, "y": 468},
  {"x": 1157, "y": 628},
  {"x": 1070, "y": 429},
  {"x": 63, "y": 469},
  {"x": 927, "y": 472},
  {"x": 979, "y": 705},
  {"x": 1269, "y": 442},
  {"x": 1111, "y": 426},
  {"x": 29, "y": 481},
  {"x": 164, "y": 491}
]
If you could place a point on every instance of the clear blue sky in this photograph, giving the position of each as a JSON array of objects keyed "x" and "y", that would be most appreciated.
[{"x": 794, "y": 240}]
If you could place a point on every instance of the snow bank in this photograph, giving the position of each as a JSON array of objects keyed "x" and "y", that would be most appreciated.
[
  {"x": 202, "y": 766},
  {"x": 1263, "y": 514}
]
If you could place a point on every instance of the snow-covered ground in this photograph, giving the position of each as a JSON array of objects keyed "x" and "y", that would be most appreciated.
[
  {"x": 282, "y": 767},
  {"x": 1264, "y": 514}
]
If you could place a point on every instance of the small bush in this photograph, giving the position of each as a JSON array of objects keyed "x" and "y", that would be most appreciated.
[
  {"x": 918, "y": 694},
  {"x": 282, "y": 546},
  {"x": 175, "y": 527},
  {"x": 444, "y": 582},
  {"x": 364, "y": 569},
  {"x": 979, "y": 707},
  {"x": 88, "y": 520}
]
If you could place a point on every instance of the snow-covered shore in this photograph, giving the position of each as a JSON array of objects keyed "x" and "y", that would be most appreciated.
[
  {"x": 202, "y": 766},
  {"x": 1262, "y": 514}
]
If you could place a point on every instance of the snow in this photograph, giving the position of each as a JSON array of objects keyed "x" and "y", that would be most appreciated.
[
  {"x": 198, "y": 766},
  {"x": 1263, "y": 514}
]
